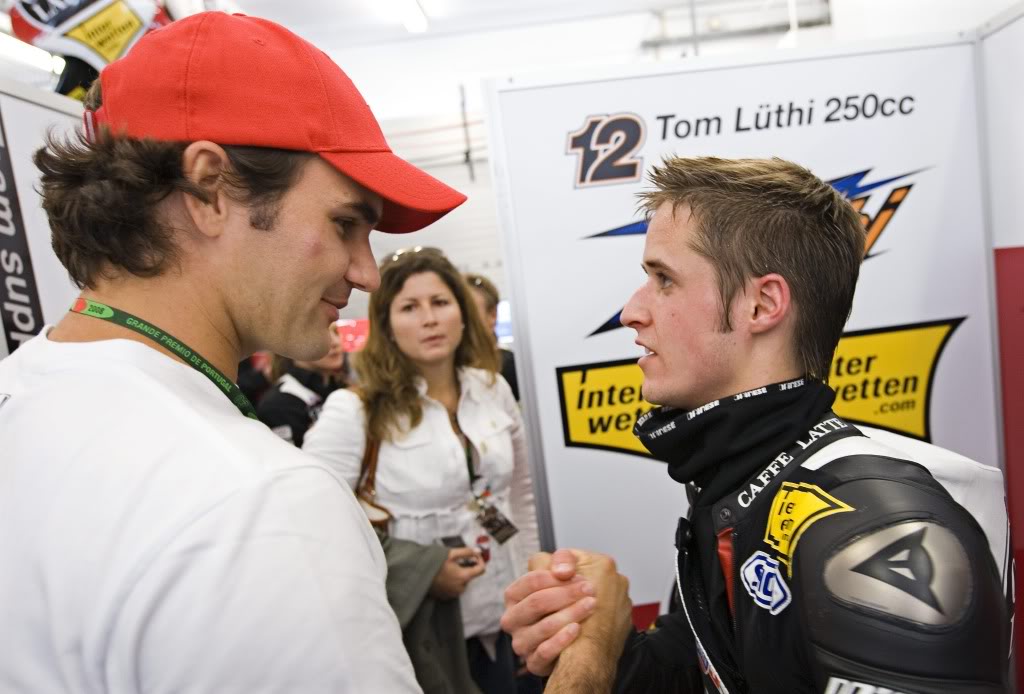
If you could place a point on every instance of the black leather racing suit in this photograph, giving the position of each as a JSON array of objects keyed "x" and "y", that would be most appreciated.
[{"x": 836, "y": 567}]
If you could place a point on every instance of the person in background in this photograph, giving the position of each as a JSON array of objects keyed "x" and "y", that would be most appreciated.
[
  {"x": 300, "y": 388},
  {"x": 486, "y": 296},
  {"x": 451, "y": 466},
  {"x": 254, "y": 381},
  {"x": 155, "y": 536}
]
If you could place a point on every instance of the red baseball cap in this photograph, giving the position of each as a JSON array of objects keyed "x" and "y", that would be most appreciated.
[{"x": 238, "y": 80}]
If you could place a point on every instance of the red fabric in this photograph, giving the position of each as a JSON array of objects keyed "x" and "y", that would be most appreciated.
[
  {"x": 725, "y": 559},
  {"x": 644, "y": 615},
  {"x": 21, "y": 28},
  {"x": 1010, "y": 312},
  {"x": 238, "y": 80}
]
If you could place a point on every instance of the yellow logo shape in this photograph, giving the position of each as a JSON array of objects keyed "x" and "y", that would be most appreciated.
[
  {"x": 109, "y": 32},
  {"x": 883, "y": 377},
  {"x": 600, "y": 404},
  {"x": 796, "y": 507}
]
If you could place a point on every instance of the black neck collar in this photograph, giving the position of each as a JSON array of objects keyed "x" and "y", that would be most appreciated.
[{"x": 721, "y": 444}]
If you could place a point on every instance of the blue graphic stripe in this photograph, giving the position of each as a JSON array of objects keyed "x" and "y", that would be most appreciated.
[
  {"x": 634, "y": 229},
  {"x": 611, "y": 324}
]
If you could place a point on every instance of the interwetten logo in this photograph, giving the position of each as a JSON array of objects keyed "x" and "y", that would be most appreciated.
[{"x": 600, "y": 403}]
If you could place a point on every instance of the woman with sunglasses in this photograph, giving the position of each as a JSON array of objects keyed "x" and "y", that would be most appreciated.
[{"x": 451, "y": 464}]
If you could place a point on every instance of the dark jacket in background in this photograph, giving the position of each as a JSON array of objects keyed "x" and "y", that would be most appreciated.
[
  {"x": 252, "y": 382},
  {"x": 294, "y": 403},
  {"x": 508, "y": 371}
]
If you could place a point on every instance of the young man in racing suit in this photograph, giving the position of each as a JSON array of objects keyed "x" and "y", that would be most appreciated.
[{"x": 817, "y": 557}]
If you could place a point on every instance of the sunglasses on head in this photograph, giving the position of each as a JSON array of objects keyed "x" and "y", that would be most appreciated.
[{"x": 411, "y": 250}]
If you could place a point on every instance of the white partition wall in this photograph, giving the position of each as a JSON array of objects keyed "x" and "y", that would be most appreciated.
[
  {"x": 895, "y": 127},
  {"x": 34, "y": 287}
]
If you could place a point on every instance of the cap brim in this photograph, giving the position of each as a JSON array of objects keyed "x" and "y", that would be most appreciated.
[{"x": 412, "y": 198}]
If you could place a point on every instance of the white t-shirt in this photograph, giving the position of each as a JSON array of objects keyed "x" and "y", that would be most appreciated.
[{"x": 152, "y": 539}]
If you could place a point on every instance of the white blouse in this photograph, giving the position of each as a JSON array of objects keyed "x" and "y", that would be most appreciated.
[{"x": 423, "y": 480}]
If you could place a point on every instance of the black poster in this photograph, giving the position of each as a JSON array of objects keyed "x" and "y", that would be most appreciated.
[{"x": 19, "y": 299}]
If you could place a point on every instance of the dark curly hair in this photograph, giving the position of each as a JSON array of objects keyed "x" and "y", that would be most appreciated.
[{"x": 101, "y": 196}]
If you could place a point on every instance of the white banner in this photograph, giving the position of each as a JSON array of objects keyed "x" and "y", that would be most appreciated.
[
  {"x": 1002, "y": 54},
  {"x": 34, "y": 286},
  {"x": 894, "y": 129}
]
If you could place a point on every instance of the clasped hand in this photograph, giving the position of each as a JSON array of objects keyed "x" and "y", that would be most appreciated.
[{"x": 563, "y": 596}]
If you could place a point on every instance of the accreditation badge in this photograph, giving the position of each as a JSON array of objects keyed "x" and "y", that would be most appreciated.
[{"x": 491, "y": 518}]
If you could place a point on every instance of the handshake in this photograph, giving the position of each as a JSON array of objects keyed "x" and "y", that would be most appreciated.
[{"x": 569, "y": 618}]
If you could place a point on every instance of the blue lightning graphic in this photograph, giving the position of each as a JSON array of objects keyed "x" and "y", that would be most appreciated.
[
  {"x": 612, "y": 323},
  {"x": 850, "y": 186}
]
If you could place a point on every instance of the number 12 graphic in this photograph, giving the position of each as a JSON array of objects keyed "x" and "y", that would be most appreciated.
[{"x": 605, "y": 148}]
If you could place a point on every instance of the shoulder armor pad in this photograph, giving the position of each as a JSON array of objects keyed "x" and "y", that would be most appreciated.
[
  {"x": 917, "y": 571},
  {"x": 905, "y": 583}
]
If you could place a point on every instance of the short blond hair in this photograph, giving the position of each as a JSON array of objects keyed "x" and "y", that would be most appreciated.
[{"x": 759, "y": 216}]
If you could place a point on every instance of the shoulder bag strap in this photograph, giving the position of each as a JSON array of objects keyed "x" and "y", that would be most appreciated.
[{"x": 368, "y": 469}]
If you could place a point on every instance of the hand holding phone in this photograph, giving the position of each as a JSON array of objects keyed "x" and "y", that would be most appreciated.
[
  {"x": 462, "y": 566},
  {"x": 457, "y": 541}
]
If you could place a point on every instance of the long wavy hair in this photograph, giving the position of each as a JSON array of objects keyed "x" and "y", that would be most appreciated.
[{"x": 387, "y": 377}]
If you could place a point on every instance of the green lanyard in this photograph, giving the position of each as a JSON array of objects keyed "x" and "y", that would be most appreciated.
[
  {"x": 473, "y": 477},
  {"x": 87, "y": 307}
]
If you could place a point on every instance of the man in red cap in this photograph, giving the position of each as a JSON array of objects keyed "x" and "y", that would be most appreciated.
[{"x": 155, "y": 536}]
